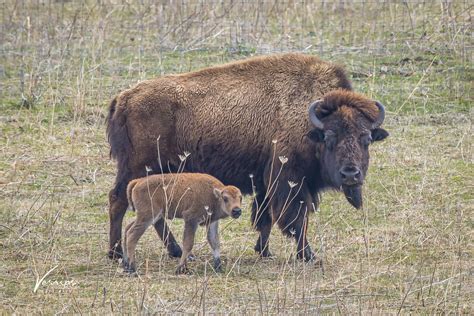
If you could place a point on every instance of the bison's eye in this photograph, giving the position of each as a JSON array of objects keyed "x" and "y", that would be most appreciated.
[
  {"x": 366, "y": 140},
  {"x": 226, "y": 199},
  {"x": 330, "y": 139}
]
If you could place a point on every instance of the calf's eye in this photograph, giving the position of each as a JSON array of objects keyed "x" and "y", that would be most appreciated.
[{"x": 225, "y": 199}]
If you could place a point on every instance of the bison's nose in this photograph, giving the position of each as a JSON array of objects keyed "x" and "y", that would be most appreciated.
[
  {"x": 236, "y": 212},
  {"x": 350, "y": 175}
]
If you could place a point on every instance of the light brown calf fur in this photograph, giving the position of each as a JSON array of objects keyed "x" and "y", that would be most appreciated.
[{"x": 199, "y": 199}]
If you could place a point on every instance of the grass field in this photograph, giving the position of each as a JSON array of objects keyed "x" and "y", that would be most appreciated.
[{"x": 410, "y": 250}]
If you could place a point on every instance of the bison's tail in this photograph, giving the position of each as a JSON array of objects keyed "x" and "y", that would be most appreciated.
[
  {"x": 119, "y": 140},
  {"x": 130, "y": 187}
]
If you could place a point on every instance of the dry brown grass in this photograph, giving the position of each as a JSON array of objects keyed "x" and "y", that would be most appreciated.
[{"x": 409, "y": 250}]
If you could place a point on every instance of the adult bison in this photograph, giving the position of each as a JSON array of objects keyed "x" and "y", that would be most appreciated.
[{"x": 247, "y": 123}]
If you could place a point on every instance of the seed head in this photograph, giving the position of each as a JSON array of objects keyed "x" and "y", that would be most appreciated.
[
  {"x": 292, "y": 184},
  {"x": 283, "y": 159}
]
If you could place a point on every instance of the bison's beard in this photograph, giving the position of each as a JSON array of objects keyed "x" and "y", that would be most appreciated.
[{"x": 353, "y": 195}]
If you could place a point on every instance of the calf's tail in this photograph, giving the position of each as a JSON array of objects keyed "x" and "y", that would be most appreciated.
[{"x": 130, "y": 187}]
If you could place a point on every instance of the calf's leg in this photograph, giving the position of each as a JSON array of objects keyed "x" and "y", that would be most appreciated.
[
  {"x": 124, "y": 246},
  {"x": 134, "y": 233},
  {"x": 188, "y": 243},
  {"x": 213, "y": 239}
]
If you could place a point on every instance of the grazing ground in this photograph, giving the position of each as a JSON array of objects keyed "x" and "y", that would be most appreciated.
[{"x": 410, "y": 250}]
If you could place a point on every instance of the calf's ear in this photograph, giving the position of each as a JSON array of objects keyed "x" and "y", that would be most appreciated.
[
  {"x": 217, "y": 193},
  {"x": 316, "y": 135},
  {"x": 379, "y": 134}
]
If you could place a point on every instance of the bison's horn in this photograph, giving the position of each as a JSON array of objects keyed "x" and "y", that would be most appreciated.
[
  {"x": 381, "y": 116},
  {"x": 312, "y": 114}
]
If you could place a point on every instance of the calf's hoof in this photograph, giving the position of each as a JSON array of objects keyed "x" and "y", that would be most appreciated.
[
  {"x": 131, "y": 271},
  {"x": 182, "y": 269},
  {"x": 174, "y": 250}
]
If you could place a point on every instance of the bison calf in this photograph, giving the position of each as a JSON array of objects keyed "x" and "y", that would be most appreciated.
[{"x": 199, "y": 199}]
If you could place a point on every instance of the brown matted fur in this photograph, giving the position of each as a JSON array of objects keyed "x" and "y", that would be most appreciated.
[{"x": 233, "y": 120}]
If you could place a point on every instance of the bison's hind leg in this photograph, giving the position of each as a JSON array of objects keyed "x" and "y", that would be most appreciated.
[
  {"x": 165, "y": 234},
  {"x": 118, "y": 204}
]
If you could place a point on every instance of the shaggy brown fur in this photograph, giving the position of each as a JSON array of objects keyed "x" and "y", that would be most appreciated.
[
  {"x": 197, "y": 198},
  {"x": 338, "y": 99},
  {"x": 227, "y": 117}
]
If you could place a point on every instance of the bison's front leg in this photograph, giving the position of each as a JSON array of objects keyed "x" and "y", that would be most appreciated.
[
  {"x": 117, "y": 207},
  {"x": 262, "y": 221},
  {"x": 290, "y": 210},
  {"x": 303, "y": 248}
]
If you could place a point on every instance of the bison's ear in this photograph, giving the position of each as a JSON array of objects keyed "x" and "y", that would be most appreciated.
[
  {"x": 218, "y": 193},
  {"x": 379, "y": 134},
  {"x": 316, "y": 135}
]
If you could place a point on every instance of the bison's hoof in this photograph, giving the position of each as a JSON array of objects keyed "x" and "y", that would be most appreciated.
[
  {"x": 307, "y": 255},
  {"x": 174, "y": 250},
  {"x": 115, "y": 253},
  {"x": 191, "y": 257},
  {"x": 264, "y": 253},
  {"x": 217, "y": 265}
]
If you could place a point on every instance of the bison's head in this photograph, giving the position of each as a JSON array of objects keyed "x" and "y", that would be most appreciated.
[
  {"x": 346, "y": 124},
  {"x": 230, "y": 199}
]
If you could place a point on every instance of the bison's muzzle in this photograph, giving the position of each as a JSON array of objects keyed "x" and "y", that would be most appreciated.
[
  {"x": 236, "y": 212},
  {"x": 353, "y": 195},
  {"x": 350, "y": 176}
]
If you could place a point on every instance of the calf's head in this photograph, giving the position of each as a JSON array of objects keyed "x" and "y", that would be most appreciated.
[
  {"x": 230, "y": 199},
  {"x": 346, "y": 123}
]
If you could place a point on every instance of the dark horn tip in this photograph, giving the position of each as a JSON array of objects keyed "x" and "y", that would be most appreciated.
[{"x": 381, "y": 116}]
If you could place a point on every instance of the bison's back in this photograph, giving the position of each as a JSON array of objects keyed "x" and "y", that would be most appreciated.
[{"x": 227, "y": 116}]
